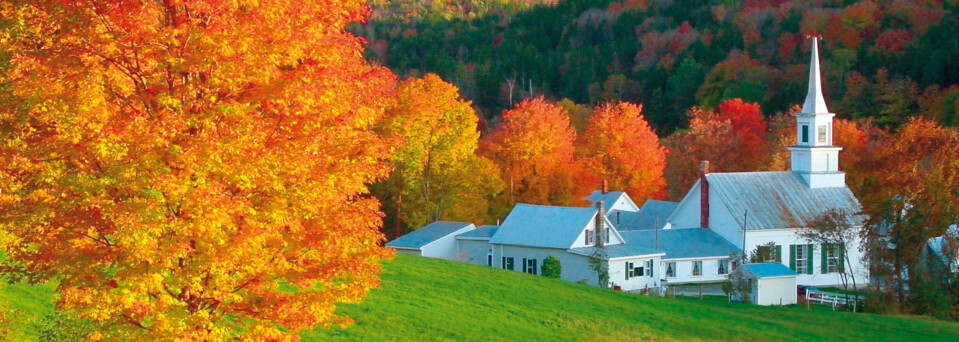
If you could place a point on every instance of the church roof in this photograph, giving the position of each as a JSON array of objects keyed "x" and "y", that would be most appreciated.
[
  {"x": 779, "y": 199},
  {"x": 543, "y": 226},
  {"x": 481, "y": 232}
]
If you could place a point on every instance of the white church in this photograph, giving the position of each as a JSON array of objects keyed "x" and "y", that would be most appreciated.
[{"x": 697, "y": 240}]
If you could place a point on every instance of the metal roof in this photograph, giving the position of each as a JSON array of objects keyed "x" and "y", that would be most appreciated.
[
  {"x": 653, "y": 215},
  {"x": 682, "y": 243},
  {"x": 779, "y": 199},
  {"x": 609, "y": 198},
  {"x": 617, "y": 251},
  {"x": 769, "y": 269},
  {"x": 543, "y": 226},
  {"x": 481, "y": 232},
  {"x": 429, "y": 233}
]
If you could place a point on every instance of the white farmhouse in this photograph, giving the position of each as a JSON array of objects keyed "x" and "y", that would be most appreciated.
[
  {"x": 749, "y": 209},
  {"x": 533, "y": 232}
]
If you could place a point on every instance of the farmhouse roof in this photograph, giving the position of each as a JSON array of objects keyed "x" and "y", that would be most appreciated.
[
  {"x": 481, "y": 232},
  {"x": 769, "y": 269},
  {"x": 682, "y": 243},
  {"x": 617, "y": 251},
  {"x": 652, "y": 215},
  {"x": 543, "y": 226},
  {"x": 609, "y": 198},
  {"x": 429, "y": 233},
  {"x": 780, "y": 199}
]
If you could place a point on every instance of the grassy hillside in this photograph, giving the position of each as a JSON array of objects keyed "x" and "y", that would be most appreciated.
[{"x": 427, "y": 299}]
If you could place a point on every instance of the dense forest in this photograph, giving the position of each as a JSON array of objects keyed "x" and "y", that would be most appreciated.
[{"x": 886, "y": 60}]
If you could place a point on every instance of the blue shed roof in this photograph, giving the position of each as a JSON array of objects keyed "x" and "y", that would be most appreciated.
[
  {"x": 429, "y": 233},
  {"x": 769, "y": 269},
  {"x": 543, "y": 226},
  {"x": 682, "y": 243},
  {"x": 652, "y": 215},
  {"x": 484, "y": 231}
]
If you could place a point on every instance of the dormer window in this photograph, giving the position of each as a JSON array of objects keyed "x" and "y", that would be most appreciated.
[{"x": 589, "y": 237}]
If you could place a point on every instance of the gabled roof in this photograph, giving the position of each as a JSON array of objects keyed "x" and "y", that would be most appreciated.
[
  {"x": 682, "y": 243},
  {"x": 769, "y": 269},
  {"x": 779, "y": 199},
  {"x": 543, "y": 226},
  {"x": 617, "y": 251},
  {"x": 609, "y": 199},
  {"x": 429, "y": 233},
  {"x": 481, "y": 232},
  {"x": 652, "y": 215}
]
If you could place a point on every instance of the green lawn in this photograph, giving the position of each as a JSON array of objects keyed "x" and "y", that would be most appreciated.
[{"x": 428, "y": 299}]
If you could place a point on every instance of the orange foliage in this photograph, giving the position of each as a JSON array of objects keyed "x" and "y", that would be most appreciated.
[
  {"x": 173, "y": 164},
  {"x": 749, "y": 127},
  {"x": 618, "y": 145},
  {"x": 533, "y": 146},
  {"x": 732, "y": 139}
]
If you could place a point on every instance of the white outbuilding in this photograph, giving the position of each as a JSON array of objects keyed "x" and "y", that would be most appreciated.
[
  {"x": 772, "y": 283},
  {"x": 435, "y": 240}
]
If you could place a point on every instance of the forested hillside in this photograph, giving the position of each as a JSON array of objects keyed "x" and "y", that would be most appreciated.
[{"x": 887, "y": 60}]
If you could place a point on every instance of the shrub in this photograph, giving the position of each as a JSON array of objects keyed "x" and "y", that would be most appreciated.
[{"x": 552, "y": 267}]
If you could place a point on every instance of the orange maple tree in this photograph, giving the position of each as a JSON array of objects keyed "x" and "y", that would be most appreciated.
[
  {"x": 618, "y": 145},
  {"x": 533, "y": 146},
  {"x": 191, "y": 169}
]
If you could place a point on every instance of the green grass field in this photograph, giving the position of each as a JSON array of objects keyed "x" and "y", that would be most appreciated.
[{"x": 428, "y": 299}]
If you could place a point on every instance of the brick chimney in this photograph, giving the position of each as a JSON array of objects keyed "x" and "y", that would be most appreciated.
[
  {"x": 605, "y": 187},
  {"x": 703, "y": 194},
  {"x": 600, "y": 223}
]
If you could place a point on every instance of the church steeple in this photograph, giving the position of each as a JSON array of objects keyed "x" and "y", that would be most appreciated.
[
  {"x": 815, "y": 103},
  {"x": 814, "y": 157}
]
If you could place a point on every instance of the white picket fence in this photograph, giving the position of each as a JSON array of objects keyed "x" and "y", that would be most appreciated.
[{"x": 834, "y": 299}]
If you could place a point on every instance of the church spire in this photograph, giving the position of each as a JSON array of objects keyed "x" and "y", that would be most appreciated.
[
  {"x": 814, "y": 158},
  {"x": 815, "y": 103}
]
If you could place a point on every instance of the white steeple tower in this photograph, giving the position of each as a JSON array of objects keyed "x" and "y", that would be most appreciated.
[{"x": 814, "y": 157}]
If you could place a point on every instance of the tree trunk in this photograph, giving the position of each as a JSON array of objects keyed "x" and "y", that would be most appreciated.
[{"x": 397, "y": 222}]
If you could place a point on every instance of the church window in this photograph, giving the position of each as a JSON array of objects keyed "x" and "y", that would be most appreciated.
[
  {"x": 697, "y": 268},
  {"x": 805, "y": 133},
  {"x": 800, "y": 258},
  {"x": 823, "y": 131},
  {"x": 723, "y": 266},
  {"x": 670, "y": 269}
]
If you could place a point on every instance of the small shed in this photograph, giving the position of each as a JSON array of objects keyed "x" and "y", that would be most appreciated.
[
  {"x": 435, "y": 240},
  {"x": 772, "y": 283}
]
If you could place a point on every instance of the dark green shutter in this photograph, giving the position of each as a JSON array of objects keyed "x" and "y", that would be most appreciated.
[
  {"x": 825, "y": 258},
  {"x": 627, "y": 271},
  {"x": 809, "y": 247},
  {"x": 524, "y": 266},
  {"x": 792, "y": 257},
  {"x": 651, "y": 273},
  {"x": 841, "y": 262},
  {"x": 503, "y": 264},
  {"x": 779, "y": 253},
  {"x": 535, "y": 267}
]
